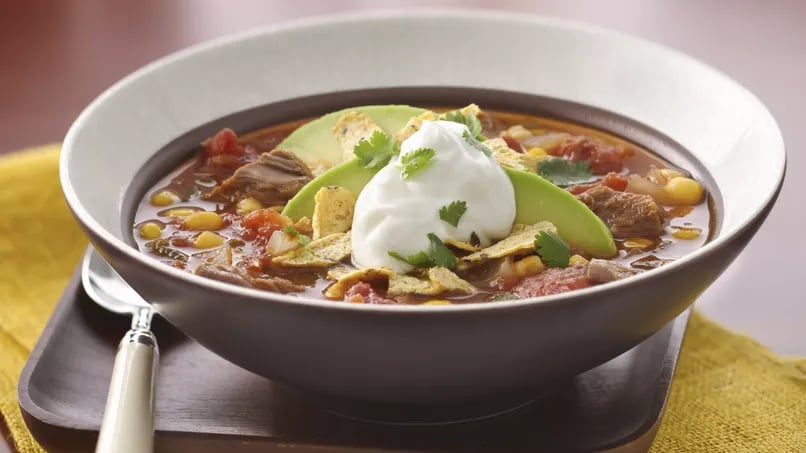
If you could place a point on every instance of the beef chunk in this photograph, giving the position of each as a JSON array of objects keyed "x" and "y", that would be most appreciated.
[
  {"x": 272, "y": 179},
  {"x": 230, "y": 274},
  {"x": 603, "y": 271},
  {"x": 602, "y": 157},
  {"x": 552, "y": 281},
  {"x": 626, "y": 214}
]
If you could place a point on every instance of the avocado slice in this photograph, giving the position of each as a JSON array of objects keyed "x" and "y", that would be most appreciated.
[
  {"x": 315, "y": 143},
  {"x": 537, "y": 199}
]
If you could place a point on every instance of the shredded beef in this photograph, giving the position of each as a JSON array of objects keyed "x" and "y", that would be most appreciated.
[
  {"x": 626, "y": 214},
  {"x": 232, "y": 275},
  {"x": 364, "y": 293},
  {"x": 272, "y": 179}
]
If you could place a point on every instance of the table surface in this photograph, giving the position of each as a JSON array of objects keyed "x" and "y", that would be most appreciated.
[{"x": 55, "y": 57}]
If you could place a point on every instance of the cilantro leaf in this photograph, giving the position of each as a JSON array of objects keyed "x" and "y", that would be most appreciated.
[
  {"x": 374, "y": 153},
  {"x": 564, "y": 172},
  {"x": 416, "y": 161},
  {"x": 419, "y": 259},
  {"x": 475, "y": 143},
  {"x": 472, "y": 123},
  {"x": 438, "y": 254},
  {"x": 552, "y": 249},
  {"x": 291, "y": 231},
  {"x": 453, "y": 212}
]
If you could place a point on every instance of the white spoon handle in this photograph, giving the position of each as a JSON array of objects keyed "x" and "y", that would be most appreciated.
[{"x": 128, "y": 424}]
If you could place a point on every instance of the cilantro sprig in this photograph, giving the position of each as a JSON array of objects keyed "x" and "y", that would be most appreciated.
[
  {"x": 291, "y": 231},
  {"x": 472, "y": 123},
  {"x": 374, "y": 153},
  {"x": 475, "y": 143},
  {"x": 452, "y": 212},
  {"x": 416, "y": 161},
  {"x": 437, "y": 254},
  {"x": 552, "y": 249},
  {"x": 562, "y": 172}
]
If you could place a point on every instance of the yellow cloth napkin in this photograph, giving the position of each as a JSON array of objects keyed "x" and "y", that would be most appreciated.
[{"x": 729, "y": 394}]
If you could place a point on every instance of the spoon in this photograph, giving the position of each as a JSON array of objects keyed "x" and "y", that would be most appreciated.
[{"x": 128, "y": 423}]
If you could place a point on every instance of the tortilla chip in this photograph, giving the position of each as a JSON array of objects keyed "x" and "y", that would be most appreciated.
[
  {"x": 518, "y": 242},
  {"x": 439, "y": 280},
  {"x": 447, "y": 281},
  {"x": 508, "y": 157},
  {"x": 304, "y": 226},
  {"x": 348, "y": 279},
  {"x": 338, "y": 271},
  {"x": 470, "y": 110},
  {"x": 322, "y": 252},
  {"x": 351, "y": 128},
  {"x": 333, "y": 211},
  {"x": 413, "y": 125},
  {"x": 465, "y": 246}
]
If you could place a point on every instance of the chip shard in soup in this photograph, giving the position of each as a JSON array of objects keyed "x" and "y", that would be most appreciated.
[{"x": 409, "y": 198}]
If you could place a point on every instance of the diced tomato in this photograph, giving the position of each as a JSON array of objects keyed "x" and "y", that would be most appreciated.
[
  {"x": 264, "y": 222},
  {"x": 615, "y": 181},
  {"x": 513, "y": 144},
  {"x": 225, "y": 142},
  {"x": 552, "y": 281},
  {"x": 364, "y": 293},
  {"x": 601, "y": 156},
  {"x": 181, "y": 241}
]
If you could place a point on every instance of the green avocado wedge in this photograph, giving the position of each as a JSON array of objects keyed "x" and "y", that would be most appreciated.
[
  {"x": 315, "y": 143},
  {"x": 538, "y": 200}
]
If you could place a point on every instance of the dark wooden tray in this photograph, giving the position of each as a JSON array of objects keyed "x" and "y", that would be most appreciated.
[{"x": 206, "y": 404}]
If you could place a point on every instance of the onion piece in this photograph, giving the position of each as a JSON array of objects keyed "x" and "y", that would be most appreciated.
[
  {"x": 641, "y": 185},
  {"x": 281, "y": 242}
]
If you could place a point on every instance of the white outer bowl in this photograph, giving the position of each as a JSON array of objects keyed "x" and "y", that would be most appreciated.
[{"x": 722, "y": 124}]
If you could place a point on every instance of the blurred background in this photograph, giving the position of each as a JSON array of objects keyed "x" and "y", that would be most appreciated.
[{"x": 56, "y": 56}]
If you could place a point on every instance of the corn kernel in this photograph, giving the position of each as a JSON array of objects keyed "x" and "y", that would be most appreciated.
[
  {"x": 537, "y": 152},
  {"x": 530, "y": 265},
  {"x": 437, "y": 302},
  {"x": 179, "y": 212},
  {"x": 577, "y": 260},
  {"x": 208, "y": 240},
  {"x": 248, "y": 205},
  {"x": 203, "y": 221},
  {"x": 684, "y": 190},
  {"x": 163, "y": 198},
  {"x": 638, "y": 243},
  {"x": 150, "y": 231},
  {"x": 278, "y": 208},
  {"x": 687, "y": 233}
]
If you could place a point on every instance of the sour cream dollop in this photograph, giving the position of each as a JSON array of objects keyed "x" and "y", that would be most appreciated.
[{"x": 396, "y": 214}]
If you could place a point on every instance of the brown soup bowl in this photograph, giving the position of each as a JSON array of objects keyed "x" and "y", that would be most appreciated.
[{"x": 690, "y": 114}]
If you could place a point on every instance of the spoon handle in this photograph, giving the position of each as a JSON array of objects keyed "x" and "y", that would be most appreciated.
[{"x": 128, "y": 424}]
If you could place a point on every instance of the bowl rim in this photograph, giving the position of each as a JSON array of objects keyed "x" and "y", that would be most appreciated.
[{"x": 719, "y": 242}]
